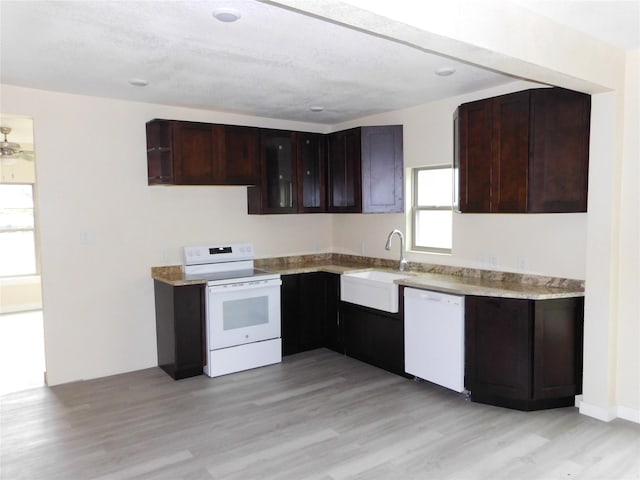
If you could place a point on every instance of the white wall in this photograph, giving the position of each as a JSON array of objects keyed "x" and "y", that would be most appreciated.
[
  {"x": 546, "y": 244},
  {"x": 102, "y": 227},
  {"x": 628, "y": 298}
]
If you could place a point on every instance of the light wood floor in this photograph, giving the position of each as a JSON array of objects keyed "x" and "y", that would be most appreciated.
[{"x": 318, "y": 415}]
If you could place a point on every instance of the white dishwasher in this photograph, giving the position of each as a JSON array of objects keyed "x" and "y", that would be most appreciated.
[{"x": 434, "y": 337}]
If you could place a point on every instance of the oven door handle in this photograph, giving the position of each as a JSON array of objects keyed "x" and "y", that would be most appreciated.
[{"x": 237, "y": 287}]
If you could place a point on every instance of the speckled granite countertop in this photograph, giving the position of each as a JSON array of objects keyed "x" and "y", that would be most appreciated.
[{"x": 456, "y": 280}]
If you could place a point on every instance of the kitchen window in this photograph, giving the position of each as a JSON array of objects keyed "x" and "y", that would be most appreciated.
[
  {"x": 432, "y": 208},
  {"x": 17, "y": 230}
]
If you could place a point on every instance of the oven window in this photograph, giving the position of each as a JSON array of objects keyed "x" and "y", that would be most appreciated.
[{"x": 245, "y": 312}]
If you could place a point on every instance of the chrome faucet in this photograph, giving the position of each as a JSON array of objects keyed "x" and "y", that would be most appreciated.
[{"x": 403, "y": 261}]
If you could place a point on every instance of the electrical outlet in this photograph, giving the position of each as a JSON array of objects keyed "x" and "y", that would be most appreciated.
[{"x": 521, "y": 264}]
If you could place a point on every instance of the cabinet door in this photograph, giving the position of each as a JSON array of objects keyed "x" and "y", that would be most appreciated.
[
  {"x": 557, "y": 354},
  {"x": 195, "y": 153},
  {"x": 277, "y": 192},
  {"x": 313, "y": 310},
  {"x": 241, "y": 165},
  {"x": 510, "y": 162},
  {"x": 559, "y": 165},
  {"x": 474, "y": 156},
  {"x": 290, "y": 314},
  {"x": 382, "y": 169},
  {"x": 333, "y": 329},
  {"x": 497, "y": 347},
  {"x": 312, "y": 172},
  {"x": 344, "y": 171},
  {"x": 373, "y": 337}
]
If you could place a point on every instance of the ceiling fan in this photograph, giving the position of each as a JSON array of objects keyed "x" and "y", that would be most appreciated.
[{"x": 10, "y": 151}]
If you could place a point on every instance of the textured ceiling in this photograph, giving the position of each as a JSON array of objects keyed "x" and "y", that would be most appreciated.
[{"x": 273, "y": 62}]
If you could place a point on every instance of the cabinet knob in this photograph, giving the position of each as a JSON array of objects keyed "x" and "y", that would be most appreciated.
[
  {"x": 279, "y": 147},
  {"x": 308, "y": 172},
  {"x": 307, "y": 142}
]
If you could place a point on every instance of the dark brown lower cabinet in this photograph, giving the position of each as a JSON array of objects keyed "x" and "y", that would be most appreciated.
[
  {"x": 524, "y": 354},
  {"x": 374, "y": 336},
  {"x": 309, "y": 312},
  {"x": 179, "y": 327}
]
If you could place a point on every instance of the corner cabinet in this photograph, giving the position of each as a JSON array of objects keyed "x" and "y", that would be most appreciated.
[
  {"x": 523, "y": 354},
  {"x": 179, "y": 329},
  {"x": 194, "y": 153},
  {"x": 365, "y": 170},
  {"x": 352, "y": 171},
  {"x": 525, "y": 152}
]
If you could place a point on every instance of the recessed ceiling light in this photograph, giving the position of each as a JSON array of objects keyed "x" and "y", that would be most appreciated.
[
  {"x": 138, "y": 82},
  {"x": 445, "y": 71},
  {"x": 226, "y": 14},
  {"x": 316, "y": 108}
]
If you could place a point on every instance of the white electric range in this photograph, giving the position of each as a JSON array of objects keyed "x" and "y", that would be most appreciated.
[{"x": 242, "y": 307}]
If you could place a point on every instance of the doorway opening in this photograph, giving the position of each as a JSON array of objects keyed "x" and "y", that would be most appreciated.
[{"x": 22, "y": 359}]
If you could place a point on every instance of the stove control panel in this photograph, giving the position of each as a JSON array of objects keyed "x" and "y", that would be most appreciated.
[{"x": 233, "y": 252}]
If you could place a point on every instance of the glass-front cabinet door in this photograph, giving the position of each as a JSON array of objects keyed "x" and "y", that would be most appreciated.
[
  {"x": 311, "y": 172},
  {"x": 277, "y": 192}
]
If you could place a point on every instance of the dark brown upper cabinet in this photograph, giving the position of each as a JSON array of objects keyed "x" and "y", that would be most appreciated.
[
  {"x": 344, "y": 171},
  {"x": 312, "y": 172},
  {"x": 365, "y": 170},
  {"x": 525, "y": 152},
  {"x": 194, "y": 153},
  {"x": 277, "y": 191}
]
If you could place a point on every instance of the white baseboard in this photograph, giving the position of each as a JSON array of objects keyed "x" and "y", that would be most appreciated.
[
  {"x": 631, "y": 414},
  {"x": 610, "y": 413}
]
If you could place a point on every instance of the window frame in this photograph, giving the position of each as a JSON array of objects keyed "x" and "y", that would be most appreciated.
[
  {"x": 415, "y": 209},
  {"x": 33, "y": 229}
]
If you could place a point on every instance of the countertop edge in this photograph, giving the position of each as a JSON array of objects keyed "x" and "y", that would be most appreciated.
[{"x": 443, "y": 283}]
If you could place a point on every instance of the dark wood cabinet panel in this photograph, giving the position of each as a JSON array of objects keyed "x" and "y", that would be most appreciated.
[
  {"x": 382, "y": 169},
  {"x": 558, "y": 333},
  {"x": 511, "y": 160},
  {"x": 195, "y": 153},
  {"x": 179, "y": 329},
  {"x": 365, "y": 170},
  {"x": 241, "y": 165},
  {"x": 333, "y": 329},
  {"x": 309, "y": 312},
  {"x": 344, "y": 171},
  {"x": 560, "y": 127},
  {"x": 374, "y": 337},
  {"x": 523, "y": 152},
  {"x": 497, "y": 346},
  {"x": 523, "y": 354},
  {"x": 312, "y": 173}
]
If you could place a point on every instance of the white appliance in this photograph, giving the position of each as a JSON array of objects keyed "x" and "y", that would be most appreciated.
[
  {"x": 242, "y": 305},
  {"x": 434, "y": 337}
]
